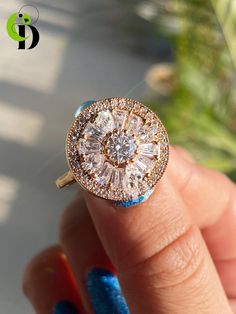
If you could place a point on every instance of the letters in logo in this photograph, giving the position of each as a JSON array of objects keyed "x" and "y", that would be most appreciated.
[{"x": 16, "y": 29}]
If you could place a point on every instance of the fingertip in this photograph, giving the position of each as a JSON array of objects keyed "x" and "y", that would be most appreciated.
[
  {"x": 48, "y": 280},
  {"x": 47, "y": 255}
]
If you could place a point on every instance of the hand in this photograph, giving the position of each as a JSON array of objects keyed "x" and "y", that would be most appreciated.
[{"x": 173, "y": 254}]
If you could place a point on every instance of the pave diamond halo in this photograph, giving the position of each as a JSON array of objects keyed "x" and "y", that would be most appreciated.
[{"x": 117, "y": 149}]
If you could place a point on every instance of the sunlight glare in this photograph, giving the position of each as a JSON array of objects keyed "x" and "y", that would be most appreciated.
[
  {"x": 20, "y": 125},
  {"x": 8, "y": 191}
]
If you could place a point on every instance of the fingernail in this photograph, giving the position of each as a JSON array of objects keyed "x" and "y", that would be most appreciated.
[
  {"x": 65, "y": 307},
  {"x": 105, "y": 292},
  {"x": 83, "y": 106},
  {"x": 136, "y": 201}
]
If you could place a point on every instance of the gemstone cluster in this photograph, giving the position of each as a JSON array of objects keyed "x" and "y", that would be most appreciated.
[{"x": 117, "y": 149}]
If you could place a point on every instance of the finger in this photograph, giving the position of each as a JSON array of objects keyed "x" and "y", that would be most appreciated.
[
  {"x": 227, "y": 272},
  {"x": 183, "y": 153},
  {"x": 214, "y": 192},
  {"x": 49, "y": 285},
  {"x": 214, "y": 211},
  {"x": 221, "y": 241},
  {"x": 233, "y": 305},
  {"x": 162, "y": 262},
  {"x": 93, "y": 270}
]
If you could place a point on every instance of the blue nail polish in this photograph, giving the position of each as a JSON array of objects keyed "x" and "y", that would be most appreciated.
[
  {"x": 83, "y": 106},
  {"x": 64, "y": 307},
  {"x": 105, "y": 293},
  {"x": 136, "y": 201}
]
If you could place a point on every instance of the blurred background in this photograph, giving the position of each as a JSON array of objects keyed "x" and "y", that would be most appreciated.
[{"x": 177, "y": 56}]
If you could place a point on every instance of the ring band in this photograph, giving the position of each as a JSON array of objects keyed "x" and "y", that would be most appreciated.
[{"x": 117, "y": 149}]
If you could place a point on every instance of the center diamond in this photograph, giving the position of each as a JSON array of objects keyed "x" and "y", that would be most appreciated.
[{"x": 121, "y": 147}]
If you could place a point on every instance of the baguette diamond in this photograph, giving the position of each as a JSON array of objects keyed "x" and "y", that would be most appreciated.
[
  {"x": 103, "y": 177},
  {"x": 88, "y": 146},
  {"x": 93, "y": 162},
  {"x": 149, "y": 149},
  {"x": 105, "y": 121},
  {"x": 120, "y": 118}
]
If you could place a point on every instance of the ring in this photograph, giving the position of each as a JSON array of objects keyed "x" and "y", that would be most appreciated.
[{"x": 116, "y": 149}]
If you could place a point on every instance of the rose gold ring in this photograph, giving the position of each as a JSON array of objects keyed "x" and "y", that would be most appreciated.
[{"x": 117, "y": 149}]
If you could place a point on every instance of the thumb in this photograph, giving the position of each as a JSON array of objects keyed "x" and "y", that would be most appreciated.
[{"x": 162, "y": 261}]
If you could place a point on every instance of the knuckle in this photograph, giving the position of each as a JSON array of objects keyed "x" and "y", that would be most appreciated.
[
  {"x": 182, "y": 260},
  {"x": 227, "y": 199},
  {"x": 179, "y": 261},
  {"x": 190, "y": 179},
  {"x": 153, "y": 238},
  {"x": 184, "y": 153}
]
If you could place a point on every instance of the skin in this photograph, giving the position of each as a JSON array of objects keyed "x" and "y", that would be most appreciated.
[{"x": 175, "y": 253}]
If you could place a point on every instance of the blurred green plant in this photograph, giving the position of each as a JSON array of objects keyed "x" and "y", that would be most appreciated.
[{"x": 195, "y": 93}]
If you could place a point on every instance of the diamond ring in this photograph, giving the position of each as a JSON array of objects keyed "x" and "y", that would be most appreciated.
[{"x": 117, "y": 149}]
